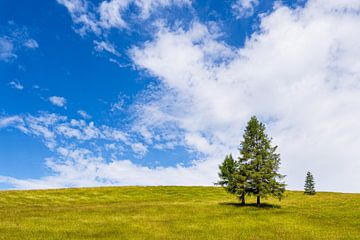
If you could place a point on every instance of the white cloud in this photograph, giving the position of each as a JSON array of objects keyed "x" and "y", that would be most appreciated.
[
  {"x": 106, "y": 46},
  {"x": 139, "y": 148},
  {"x": 244, "y": 8},
  {"x": 16, "y": 84},
  {"x": 112, "y": 14},
  {"x": 118, "y": 105},
  {"x": 84, "y": 114},
  {"x": 16, "y": 38},
  {"x": 58, "y": 101},
  {"x": 31, "y": 43},
  {"x": 79, "y": 156},
  {"x": 99, "y": 19},
  {"x": 8, "y": 121},
  {"x": 117, "y": 172},
  {"x": 299, "y": 73},
  {"x": 121, "y": 65},
  {"x": 6, "y": 50},
  {"x": 78, "y": 149},
  {"x": 81, "y": 12},
  {"x": 148, "y": 6},
  {"x": 115, "y": 135}
]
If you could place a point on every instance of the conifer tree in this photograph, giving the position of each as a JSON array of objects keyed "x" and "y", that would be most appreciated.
[
  {"x": 262, "y": 163},
  {"x": 227, "y": 174},
  {"x": 233, "y": 177},
  {"x": 309, "y": 187},
  {"x": 256, "y": 170}
]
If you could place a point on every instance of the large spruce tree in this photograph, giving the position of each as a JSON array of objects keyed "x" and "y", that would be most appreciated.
[
  {"x": 256, "y": 170},
  {"x": 309, "y": 187}
]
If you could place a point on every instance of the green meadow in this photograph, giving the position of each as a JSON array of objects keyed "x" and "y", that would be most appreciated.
[{"x": 174, "y": 213}]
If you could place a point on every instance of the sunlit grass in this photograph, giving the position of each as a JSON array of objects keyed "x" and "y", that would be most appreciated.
[{"x": 174, "y": 213}]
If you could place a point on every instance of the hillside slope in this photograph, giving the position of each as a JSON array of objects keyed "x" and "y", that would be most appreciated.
[{"x": 174, "y": 213}]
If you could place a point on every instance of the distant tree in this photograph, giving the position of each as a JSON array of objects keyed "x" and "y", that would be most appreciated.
[
  {"x": 309, "y": 187},
  {"x": 256, "y": 170}
]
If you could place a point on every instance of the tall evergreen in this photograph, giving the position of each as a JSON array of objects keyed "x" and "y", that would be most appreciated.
[
  {"x": 309, "y": 187},
  {"x": 262, "y": 162},
  {"x": 256, "y": 170}
]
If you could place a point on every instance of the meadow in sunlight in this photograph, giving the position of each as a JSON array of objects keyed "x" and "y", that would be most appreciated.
[{"x": 174, "y": 213}]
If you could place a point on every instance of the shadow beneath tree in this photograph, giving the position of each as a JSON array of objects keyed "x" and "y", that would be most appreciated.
[{"x": 253, "y": 205}]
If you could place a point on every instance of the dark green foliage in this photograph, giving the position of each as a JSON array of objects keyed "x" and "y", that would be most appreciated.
[
  {"x": 256, "y": 170},
  {"x": 227, "y": 174},
  {"x": 309, "y": 184},
  {"x": 232, "y": 176}
]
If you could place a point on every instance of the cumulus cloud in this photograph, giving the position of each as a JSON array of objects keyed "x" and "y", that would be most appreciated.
[
  {"x": 299, "y": 74},
  {"x": 244, "y": 8},
  {"x": 117, "y": 172},
  {"x": 58, "y": 101}
]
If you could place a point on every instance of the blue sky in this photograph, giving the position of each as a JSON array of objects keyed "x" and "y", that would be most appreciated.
[{"x": 135, "y": 92}]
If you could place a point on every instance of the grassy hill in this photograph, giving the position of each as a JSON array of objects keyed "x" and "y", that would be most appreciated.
[{"x": 174, "y": 213}]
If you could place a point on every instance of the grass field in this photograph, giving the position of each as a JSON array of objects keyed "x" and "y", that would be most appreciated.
[{"x": 174, "y": 213}]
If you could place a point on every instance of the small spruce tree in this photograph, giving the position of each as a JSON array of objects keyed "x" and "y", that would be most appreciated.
[
  {"x": 227, "y": 174},
  {"x": 309, "y": 184},
  {"x": 233, "y": 177}
]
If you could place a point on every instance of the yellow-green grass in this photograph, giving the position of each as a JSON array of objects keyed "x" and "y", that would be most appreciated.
[{"x": 174, "y": 213}]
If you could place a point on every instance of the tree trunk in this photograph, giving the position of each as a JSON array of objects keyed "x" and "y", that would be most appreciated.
[
  {"x": 258, "y": 201},
  {"x": 242, "y": 199}
]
